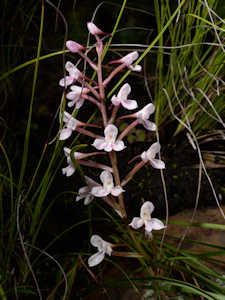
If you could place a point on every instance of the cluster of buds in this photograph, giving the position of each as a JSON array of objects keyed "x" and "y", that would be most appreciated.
[{"x": 79, "y": 89}]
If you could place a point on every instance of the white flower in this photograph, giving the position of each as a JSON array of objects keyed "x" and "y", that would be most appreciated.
[
  {"x": 129, "y": 59},
  {"x": 103, "y": 248},
  {"x": 146, "y": 220},
  {"x": 85, "y": 192},
  {"x": 70, "y": 169},
  {"x": 109, "y": 143},
  {"x": 74, "y": 74},
  {"x": 76, "y": 96},
  {"x": 143, "y": 116},
  {"x": 108, "y": 186},
  {"x": 150, "y": 154},
  {"x": 70, "y": 125},
  {"x": 121, "y": 98}
]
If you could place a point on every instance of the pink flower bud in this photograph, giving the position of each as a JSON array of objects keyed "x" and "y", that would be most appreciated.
[
  {"x": 93, "y": 29},
  {"x": 74, "y": 47}
]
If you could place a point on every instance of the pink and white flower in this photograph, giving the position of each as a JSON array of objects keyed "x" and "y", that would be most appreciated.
[
  {"x": 128, "y": 61},
  {"x": 85, "y": 192},
  {"x": 70, "y": 169},
  {"x": 121, "y": 98},
  {"x": 143, "y": 116},
  {"x": 75, "y": 96},
  {"x": 74, "y": 74},
  {"x": 146, "y": 219},
  {"x": 107, "y": 187},
  {"x": 103, "y": 248},
  {"x": 70, "y": 125},
  {"x": 109, "y": 143},
  {"x": 150, "y": 154}
]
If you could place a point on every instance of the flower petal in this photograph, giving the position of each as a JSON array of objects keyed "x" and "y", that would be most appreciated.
[
  {"x": 148, "y": 226},
  {"x": 99, "y": 191},
  {"x": 99, "y": 144},
  {"x": 129, "y": 58},
  {"x": 129, "y": 104},
  {"x": 148, "y": 125},
  {"x": 88, "y": 199},
  {"x": 96, "y": 259},
  {"x": 157, "y": 163},
  {"x": 117, "y": 190},
  {"x": 146, "y": 111},
  {"x": 136, "y": 68},
  {"x": 69, "y": 170},
  {"x": 144, "y": 156},
  {"x": 136, "y": 223},
  {"x": 153, "y": 150},
  {"x": 157, "y": 224},
  {"x": 146, "y": 210},
  {"x": 65, "y": 134},
  {"x": 115, "y": 100},
  {"x": 118, "y": 146},
  {"x": 124, "y": 91},
  {"x": 107, "y": 180},
  {"x": 90, "y": 182},
  {"x": 110, "y": 132},
  {"x": 96, "y": 240},
  {"x": 66, "y": 81}
]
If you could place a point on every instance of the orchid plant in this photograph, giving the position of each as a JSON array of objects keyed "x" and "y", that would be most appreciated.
[{"x": 78, "y": 90}]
